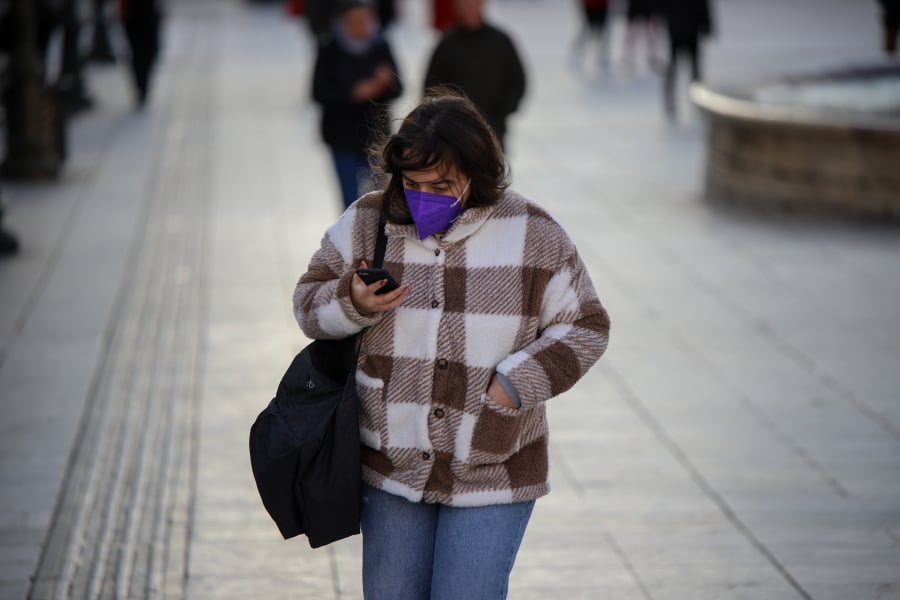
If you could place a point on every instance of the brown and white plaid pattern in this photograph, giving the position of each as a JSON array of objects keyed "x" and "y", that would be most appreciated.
[{"x": 502, "y": 290}]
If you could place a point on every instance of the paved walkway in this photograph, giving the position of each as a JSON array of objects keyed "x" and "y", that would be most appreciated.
[{"x": 741, "y": 439}]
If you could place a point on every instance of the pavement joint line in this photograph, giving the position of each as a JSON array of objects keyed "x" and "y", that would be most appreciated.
[
  {"x": 610, "y": 540},
  {"x": 790, "y": 351},
  {"x": 799, "y": 357},
  {"x": 151, "y": 298},
  {"x": 744, "y": 402},
  {"x": 666, "y": 439},
  {"x": 758, "y": 413},
  {"x": 684, "y": 548},
  {"x": 61, "y": 538},
  {"x": 793, "y": 445},
  {"x": 80, "y": 194},
  {"x": 139, "y": 427},
  {"x": 562, "y": 466},
  {"x": 894, "y": 537},
  {"x": 862, "y": 406}
]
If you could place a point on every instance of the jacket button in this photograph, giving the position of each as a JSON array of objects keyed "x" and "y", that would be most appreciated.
[
  {"x": 426, "y": 456},
  {"x": 439, "y": 413},
  {"x": 442, "y": 363},
  {"x": 435, "y": 304},
  {"x": 437, "y": 251}
]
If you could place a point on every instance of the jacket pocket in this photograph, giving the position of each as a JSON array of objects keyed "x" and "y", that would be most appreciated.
[
  {"x": 497, "y": 434},
  {"x": 372, "y": 409}
]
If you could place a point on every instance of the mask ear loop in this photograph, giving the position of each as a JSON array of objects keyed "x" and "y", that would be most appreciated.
[{"x": 461, "y": 194}]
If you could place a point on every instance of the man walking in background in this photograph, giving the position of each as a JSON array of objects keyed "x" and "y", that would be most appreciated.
[
  {"x": 482, "y": 62},
  {"x": 142, "y": 19},
  {"x": 687, "y": 21}
]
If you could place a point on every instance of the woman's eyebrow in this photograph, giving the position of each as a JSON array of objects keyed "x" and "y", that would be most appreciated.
[{"x": 433, "y": 181}]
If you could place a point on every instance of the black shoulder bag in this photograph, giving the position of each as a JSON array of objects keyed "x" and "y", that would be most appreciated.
[{"x": 304, "y": 446}]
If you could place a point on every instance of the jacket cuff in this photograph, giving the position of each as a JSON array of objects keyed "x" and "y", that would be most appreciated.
[
  {"x": 510, "y": 389},
  {"x": 346, "y": 304}
]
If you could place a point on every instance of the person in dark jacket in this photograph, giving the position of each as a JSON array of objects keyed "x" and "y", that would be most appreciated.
[
  {"x": 354, "y": 80},
  {"x": 9, "y": 243},
  {"x": 142, "y": 20},
  {"x": 687, "y": 22},
  {"x": 482, "y": 62},
  {"x": 387, "y": 13},
  {"x": 442, "y": 14},
  {"x": 890, "y": 22}
]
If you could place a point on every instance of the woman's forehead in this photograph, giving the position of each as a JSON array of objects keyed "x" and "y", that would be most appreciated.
[{"x": 433, "y": 174}]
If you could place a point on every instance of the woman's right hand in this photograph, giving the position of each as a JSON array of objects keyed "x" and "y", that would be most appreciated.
[{"x": 367, "y": 302}]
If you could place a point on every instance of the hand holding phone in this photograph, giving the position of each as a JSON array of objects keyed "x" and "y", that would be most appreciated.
[{"x": 370, "y": 276}]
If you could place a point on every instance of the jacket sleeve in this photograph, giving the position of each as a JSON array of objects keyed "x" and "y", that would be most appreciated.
[
  {"x": 396, "y": 89},
  {"x": 515, "y": 78},
  {"x": 328, "y": 89},
  {"x": 322, "y": 304},
  {"x": 435, "y": 74},
  {"x": 574, "y": 333}
]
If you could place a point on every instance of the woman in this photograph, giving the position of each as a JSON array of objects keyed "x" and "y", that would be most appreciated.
[
  {"x": 354, "y": 79},
  {"x": 495, "y": 315}
]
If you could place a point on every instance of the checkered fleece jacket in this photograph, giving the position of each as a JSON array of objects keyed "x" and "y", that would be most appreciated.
[{"x": 503, "y": 290}]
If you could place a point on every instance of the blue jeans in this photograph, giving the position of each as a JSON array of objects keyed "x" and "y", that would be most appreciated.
[
  {"x": 418, "y": 551},
  {"x": 352, "y": 170}
]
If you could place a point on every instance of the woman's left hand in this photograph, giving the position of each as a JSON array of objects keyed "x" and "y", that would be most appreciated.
[{"x": 368, "y": 302}]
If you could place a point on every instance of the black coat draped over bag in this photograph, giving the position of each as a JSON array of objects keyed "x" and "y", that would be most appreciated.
[{"x": 304, "y": 447}]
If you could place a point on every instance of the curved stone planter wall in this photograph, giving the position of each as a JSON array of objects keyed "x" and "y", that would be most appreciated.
[{"x": 802, "y": 160}]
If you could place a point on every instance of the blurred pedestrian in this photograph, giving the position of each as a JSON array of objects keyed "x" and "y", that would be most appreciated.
[
  {"x": 9, "y": 243},
  {"x": 890, "y": 21},
  {"x": 482, "y": 62},
  {"x": 49, "y": 17},
  {"x": 594, "y": 14},
  {"x": 644, "y": 23},
  {"x": 687, "y": 21},
  {"x": 142, "y": 20},
  {"x": 354, "y": 79},
  {"x": 319, "y": 14},
  {"x": 495, "y": 315}
]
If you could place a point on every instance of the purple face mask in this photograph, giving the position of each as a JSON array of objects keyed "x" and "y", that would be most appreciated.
[{"x": 433, "y": 213}]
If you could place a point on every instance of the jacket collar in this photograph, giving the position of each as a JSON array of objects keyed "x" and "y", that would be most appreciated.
[{"x": 468, "y": 222}]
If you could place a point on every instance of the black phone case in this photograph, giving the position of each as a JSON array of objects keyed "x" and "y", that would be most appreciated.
[{"x": 370, "y": 276}]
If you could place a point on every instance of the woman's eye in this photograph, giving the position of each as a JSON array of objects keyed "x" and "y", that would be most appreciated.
[{"x": 441, "y": 190}]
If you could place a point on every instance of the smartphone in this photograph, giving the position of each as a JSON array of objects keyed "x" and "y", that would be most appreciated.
[{"x": 370, "y": 276}]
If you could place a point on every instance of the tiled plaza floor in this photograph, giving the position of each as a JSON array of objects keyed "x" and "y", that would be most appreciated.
[{"x": 740, "y": 439}]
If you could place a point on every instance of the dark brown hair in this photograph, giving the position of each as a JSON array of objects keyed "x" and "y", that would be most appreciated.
[{"x": 444, "y": 131}]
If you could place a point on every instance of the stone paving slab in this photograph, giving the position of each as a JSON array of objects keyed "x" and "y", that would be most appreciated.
[{"x": 741, "y": 439}]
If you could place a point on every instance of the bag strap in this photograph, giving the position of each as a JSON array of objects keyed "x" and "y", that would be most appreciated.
[
  {"x": 377, "y": 260},
  {"x": 380, "y": 243}
]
